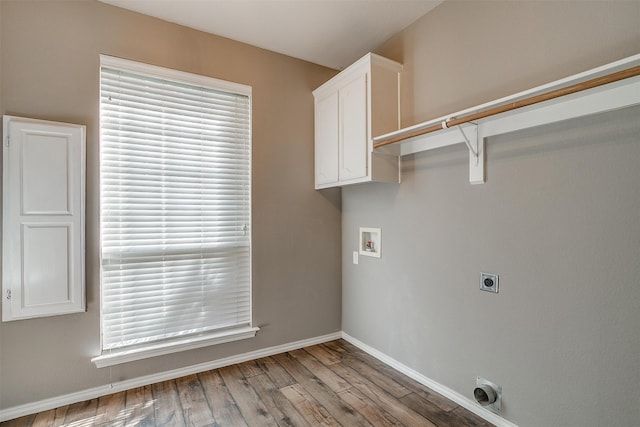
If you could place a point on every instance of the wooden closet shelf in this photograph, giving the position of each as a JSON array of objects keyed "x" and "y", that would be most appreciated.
[{"x": 612, "y": 86}]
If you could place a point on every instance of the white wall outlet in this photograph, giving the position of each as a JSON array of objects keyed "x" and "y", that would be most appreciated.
[
  {"x": 489, "y": 282},
  {"x": 355, "y": 257}
]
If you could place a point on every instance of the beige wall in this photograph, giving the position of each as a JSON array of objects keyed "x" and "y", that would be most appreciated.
[
  {"x": 558, "y": 219},
  {"x": 50, "y": 63},
  {"x": 465, "y": 53}
]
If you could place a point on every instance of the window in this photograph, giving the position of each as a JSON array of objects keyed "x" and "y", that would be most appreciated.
[{"x": 175, "y": 195}]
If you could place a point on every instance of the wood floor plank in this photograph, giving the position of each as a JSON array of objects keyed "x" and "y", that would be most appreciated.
[
  {"x": 420, "y": 389},
  {"x": 224, "y": 408},
  {"x": 353, "y": 351},
  {"x": 372, "y": 412},
  {"x": 26, "y": 421},
  {"x": 430, "y": 411},
  {"x": 278, "y": 405},
  {"x": 139, "y": 407},
  {"x": 44, "y": 419},
  {"x": 81, "y": 411},
  {"x": 111, "y": 410},
  {"x": 324, "y": 354},
  {"x": 382, "y": 373},
  {"x": 195, "y": 407},
  {"x": 313, "y": 412},
  {"x": 379, "y": 396},
  {"x": 280, "y": 377},
  {"x": 376, "y": 376},
  {"x": 250, "y": 368},
  {"x": 251, "y": 406},
  {"x": 334, "y": 347},
  {"x": 326, "y": 375},
  {"x": 60, "y": 415},
  {"x": 437, "y": 399},
  {"x": 167, "y": 407},
  {"x": 341, "y": 411},
  {"x": 471, "y": 418},
  {"x": 350, "y": 350}
]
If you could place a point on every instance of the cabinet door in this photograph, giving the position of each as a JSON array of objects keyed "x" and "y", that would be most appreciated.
[
  {"x": 43, "y": 219},
  {"x": 353, "y": 129},
  {"x": 326, "y": 144}
]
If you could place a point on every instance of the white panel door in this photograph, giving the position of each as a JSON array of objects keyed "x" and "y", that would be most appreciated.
[
  {"x": 43, "y": 218},
  {"x": 353, "y": 129},
  {"x": 326, "y": 137}
]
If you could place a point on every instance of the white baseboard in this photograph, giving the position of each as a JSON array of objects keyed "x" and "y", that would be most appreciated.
[
  {"x": 456, "y": 397},
  {"x": 95, "y": 392}
]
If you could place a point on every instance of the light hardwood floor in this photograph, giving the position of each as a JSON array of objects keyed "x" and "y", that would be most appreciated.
[{"x": 329, "y": 384}]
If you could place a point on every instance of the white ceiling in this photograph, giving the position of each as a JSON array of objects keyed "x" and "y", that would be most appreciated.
[{"x": 333, "y": 33}]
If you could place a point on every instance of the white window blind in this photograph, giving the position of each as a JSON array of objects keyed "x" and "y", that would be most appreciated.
[{"x": 175, "y": 182}]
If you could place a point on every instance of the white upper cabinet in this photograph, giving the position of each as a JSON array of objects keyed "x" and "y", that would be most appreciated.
[
  {"x": 350, "y": 109},
  {"x": 43, "y": 218}
]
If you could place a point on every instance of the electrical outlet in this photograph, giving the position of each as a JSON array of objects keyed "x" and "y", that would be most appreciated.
[{"x": 489, "y": 282}]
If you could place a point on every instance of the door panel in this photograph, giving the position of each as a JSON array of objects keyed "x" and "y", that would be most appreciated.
[
  {"x": 326, "y": 140},
  {"x": 353, "y": 129},
  {"x": 43, "y": 218}
]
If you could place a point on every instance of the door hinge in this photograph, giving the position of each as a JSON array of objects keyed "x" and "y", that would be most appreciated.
[
  {"x": 8, "y": 293},
  {"x": 8, "y": 140}
]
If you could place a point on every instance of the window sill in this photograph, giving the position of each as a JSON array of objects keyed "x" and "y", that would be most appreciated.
[{"x": 123, "y": 356}]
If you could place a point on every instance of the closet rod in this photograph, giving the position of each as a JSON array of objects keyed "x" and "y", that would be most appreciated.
[{"x": 557, "y": 93}]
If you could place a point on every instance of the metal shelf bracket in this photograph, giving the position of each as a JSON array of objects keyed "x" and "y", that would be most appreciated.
[{"x": 475, "y": 144}]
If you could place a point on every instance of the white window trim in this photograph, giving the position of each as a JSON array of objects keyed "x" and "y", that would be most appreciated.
[
  {"x": 167, "y": 73},
  {"x": 131, "y": 354},
  {"x": 175, "y": 346}
]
